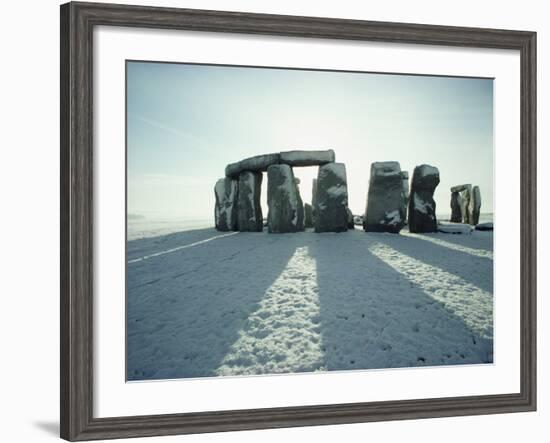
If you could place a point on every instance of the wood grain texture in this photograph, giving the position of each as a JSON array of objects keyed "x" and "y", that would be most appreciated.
[{"x": 76, "y": 303}]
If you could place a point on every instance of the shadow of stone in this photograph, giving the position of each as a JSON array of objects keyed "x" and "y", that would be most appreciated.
[
  {"x": 477, "y": 239},
  {"x": 473, "y": 269},
  {"x": 371, "y": 316},
  {"x": 185, "y": 309}
]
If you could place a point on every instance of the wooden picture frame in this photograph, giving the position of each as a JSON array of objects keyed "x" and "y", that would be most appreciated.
[{"x": 77, "y": 23}]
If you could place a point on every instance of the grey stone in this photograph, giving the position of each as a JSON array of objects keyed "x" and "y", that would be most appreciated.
[
  {"x": 465, "y": 196},
  {"x": 484, "y": 226},
  {"x": 249, "y": 211},
  {"x": 456, "y": 213},
  {"x": 475, "y": 205},
  {"x": 332, "y": 199},
  {"x": 308, "y": 216},
  {"x": 459, "y": 188},
  {"x": 386, "y": 209},
  {"x": 422, "y": 216},
  {"x": 258, "y": 163},
  {"x": 314, "y": 197},
  {"x": 307, "y": 158},
  {"x": 405, "y": 179},
  {"x": 225, "y": 211},
  {"x": 283, "y": 200}
]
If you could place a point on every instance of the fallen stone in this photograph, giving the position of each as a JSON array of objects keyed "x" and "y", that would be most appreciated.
[
  {"x": 475, "y": 205},
  {"x": 307, "y": 158},
  {"x": 421, "y": 203},
  {"x": 308, "y": 216},
  {"x": 454, "y": 228},
  {"x": 484, "y": 226},
  {"x": 386, "y": 210},
  {"x": 258, "y": 163},
  {"x": 331, "y": 213},
  {"x": 282, "y": 199},
  {"x": 249, "y": 211},
  {"x": 225, "y": 211}
]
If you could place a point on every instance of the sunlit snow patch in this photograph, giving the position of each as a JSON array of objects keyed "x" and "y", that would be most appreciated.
[{"x": 283, "y": 334}]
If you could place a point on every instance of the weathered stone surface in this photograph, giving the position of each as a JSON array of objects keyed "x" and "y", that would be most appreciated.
[
  {"x": 386, "y": 210},
  {"x": 258, "y": 163},
  {"x": 405, "y": 179},
  {"x": 459, "y": 188},
  {"x": 307, "y": 158},
  {"x": 249, "y": 210},
  {"x": 351, "y": 224},
  {"x": 475, "y": 205},
  {"x": 314, "y": 197},
  {"x": 308, "y": 216},
  {"x": 421, "y": 203},
  {"x": 283, "y": 199},
  {"x": 332, "y": 199},
  {"x": 456, "y": 213},
  {"x": 225, "y": 211},
  {"x": 484, "y": 226},
  {"x": 300, "y": 208},
  {"x": 465, "y": 196}
]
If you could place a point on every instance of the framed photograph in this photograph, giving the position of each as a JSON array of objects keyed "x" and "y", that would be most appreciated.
[{"x": 272, "y": 221}]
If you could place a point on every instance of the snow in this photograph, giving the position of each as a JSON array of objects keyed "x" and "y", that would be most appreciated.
[
  {"x": 385, "y": 168},
  {"x": 201, "y": 304},
  {"x": 428, "y": 170},
  {"x": 420, "y": 205},
  {"x": 338, "y": 169},
  {"x": 391, "y": 218},
  {"x": 337, "y": 191}
]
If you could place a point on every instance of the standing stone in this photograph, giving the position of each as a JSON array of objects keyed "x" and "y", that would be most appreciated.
[
  {"x": 475, "y": 205},
  {"x": 456, "y": 213},
  {"x": 465, "y": 196},
  {"x": 331, "y": 213},
  {"x": 421, "y": 203},
  {"x": 225, "y": 211},
  {"x": 300, "y": 208},
  {"x": 351, "y": 224},
  {"x": 283, "y": 199},
  {"x": 308, "y": 216},
  {"x": 249, "y": 212},
  {"x": 314, "y": 198},
  {"x": 405, "y": 179},
  {"x": 386, "y": 210}
]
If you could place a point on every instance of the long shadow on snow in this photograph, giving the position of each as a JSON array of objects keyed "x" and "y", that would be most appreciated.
[
  {"x": 476, "y": 270},
  {"x": 185, "y": 309},
  {"x": 373, "y": 317}
]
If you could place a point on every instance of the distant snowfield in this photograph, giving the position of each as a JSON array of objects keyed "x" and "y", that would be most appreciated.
[{"x": 203, "y": 303}]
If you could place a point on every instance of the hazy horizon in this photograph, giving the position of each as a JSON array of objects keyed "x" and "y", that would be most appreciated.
[{"x": 186, "y": 122}]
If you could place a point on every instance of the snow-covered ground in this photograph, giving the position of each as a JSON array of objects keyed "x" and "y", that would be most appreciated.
[{"x": 202, "y": 303}]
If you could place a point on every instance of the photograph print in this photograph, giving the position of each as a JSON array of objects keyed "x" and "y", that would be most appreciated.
[{"x": 284, "y": 221}]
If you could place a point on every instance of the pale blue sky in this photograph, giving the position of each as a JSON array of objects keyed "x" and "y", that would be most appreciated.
[{"x": 186, "y": 122}]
